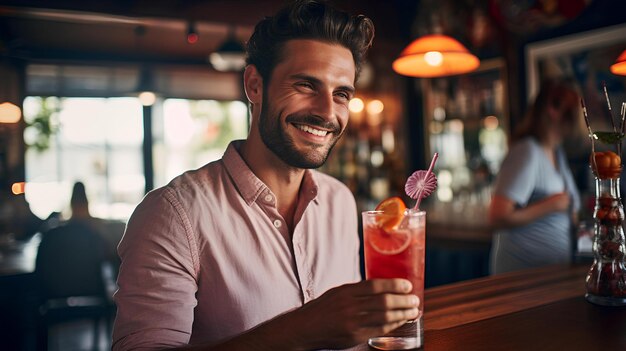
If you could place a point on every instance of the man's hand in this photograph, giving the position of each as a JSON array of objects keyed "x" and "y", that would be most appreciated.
[
  {"x": 342, "y": 317},
  {"x": 349, "y": 314}
]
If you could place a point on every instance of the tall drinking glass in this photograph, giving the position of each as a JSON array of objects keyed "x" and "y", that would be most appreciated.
[{"x": 397, "y": 253}]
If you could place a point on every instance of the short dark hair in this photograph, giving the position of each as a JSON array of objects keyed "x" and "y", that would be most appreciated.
[{"x": 307, "y": 19}]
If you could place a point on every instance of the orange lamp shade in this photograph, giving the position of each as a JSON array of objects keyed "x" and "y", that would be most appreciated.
[
  {"x": 619, "y": 67},
  {"x": 435, "y": 55}
]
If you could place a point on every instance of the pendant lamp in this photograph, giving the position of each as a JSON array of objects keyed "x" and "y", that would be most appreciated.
[
  {"x": 619, "y": 67},
  {"x": 145, "y": 84},
  {"x": 145, "y": 87},
  {"x": 9, "y": 112},
  {"x": 435, "y": 55},
  {"x": 230, "y": 56}
]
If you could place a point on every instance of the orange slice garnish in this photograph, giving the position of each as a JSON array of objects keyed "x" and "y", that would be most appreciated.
[
  {"x": 392, "y": 213},
  {"x": 385, "y": 238},
  {"x": 389, "y": 243}
]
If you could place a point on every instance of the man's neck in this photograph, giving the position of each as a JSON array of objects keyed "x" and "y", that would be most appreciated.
[{"x": 282, "y": 179}]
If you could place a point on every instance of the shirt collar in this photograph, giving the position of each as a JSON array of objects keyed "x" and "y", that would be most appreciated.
[
  {"x": 250, "y": 186},
  {"x": 246, "y": 182},
  {"x": 309, "y": 187}
]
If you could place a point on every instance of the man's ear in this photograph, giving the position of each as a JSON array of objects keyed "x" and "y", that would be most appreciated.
[{"x": 253, "y": 84}]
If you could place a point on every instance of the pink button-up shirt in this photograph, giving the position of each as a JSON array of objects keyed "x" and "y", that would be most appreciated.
[{"x": 208, "y": 256}]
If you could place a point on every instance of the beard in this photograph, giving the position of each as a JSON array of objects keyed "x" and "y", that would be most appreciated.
[{"x": 276, "y": 138}]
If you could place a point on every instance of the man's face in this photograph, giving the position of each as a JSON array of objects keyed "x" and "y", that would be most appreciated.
[{"x": 305, "y": 105}]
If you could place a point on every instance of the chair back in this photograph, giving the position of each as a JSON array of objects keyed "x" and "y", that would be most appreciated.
[{"x": 69, "y": 262}]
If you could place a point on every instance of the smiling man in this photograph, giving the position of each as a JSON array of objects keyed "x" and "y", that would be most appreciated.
[
  {"x": 257, "y": 251},
  {"x": 310, "y": 94}
]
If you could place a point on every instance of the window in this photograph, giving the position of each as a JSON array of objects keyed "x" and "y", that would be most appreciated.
[
  {"x": 100, "y": 133},
  {"x": 191, "y": 133},
  {"x": 99, "y": 141}
]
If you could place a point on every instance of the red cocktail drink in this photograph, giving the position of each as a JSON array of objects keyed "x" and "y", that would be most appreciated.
[{"x": 397, "y": 252}]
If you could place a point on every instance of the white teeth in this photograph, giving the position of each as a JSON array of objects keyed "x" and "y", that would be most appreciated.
[{"x": 312, "y": 131}]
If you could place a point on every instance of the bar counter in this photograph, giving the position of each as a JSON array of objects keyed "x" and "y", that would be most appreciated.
[{"x": 535, "y": 309}]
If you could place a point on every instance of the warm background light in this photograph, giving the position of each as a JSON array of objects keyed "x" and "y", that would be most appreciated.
[
  {"x": 192, "y": 38},
  {"x": 619, "y": 67},
  {"x": 375, "y": 107},
  {"x": 9, "y": 113},
  {"x": 435, "y": 55},
  {"x": 433, "y": 58},
  {"x": 192, "y": 34},
  {"x": 356, "y": 105},
  {"x": 147, "y": 98},
  {"x": 18, "y": 188},
  {"x": 491, "y": 122}
]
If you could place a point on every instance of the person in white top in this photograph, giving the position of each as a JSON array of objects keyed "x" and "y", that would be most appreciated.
[{"x": 535, "y": 197}]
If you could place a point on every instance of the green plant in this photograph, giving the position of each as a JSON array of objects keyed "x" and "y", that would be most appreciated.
[{"x": 43, "y": 125}]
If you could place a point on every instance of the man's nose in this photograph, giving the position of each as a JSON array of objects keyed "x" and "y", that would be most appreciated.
[{"x": 324, "y": 106}]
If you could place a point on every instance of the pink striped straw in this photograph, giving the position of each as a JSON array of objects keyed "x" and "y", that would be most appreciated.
[{"x": 430, "y": 170}]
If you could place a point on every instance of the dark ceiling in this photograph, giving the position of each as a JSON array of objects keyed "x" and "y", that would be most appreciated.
[{"x": 108, "y": 31}]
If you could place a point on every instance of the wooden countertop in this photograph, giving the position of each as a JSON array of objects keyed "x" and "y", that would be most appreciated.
[
  {"x": 535, "y": 309},
  {"x": 478, "y": 299}
]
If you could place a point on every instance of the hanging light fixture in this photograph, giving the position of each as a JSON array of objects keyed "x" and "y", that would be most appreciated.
[
  {"x": 9, "y": 112},
  {"x": 145, "y": 89},
  {"x": 230, "y": 55},
  {"x": 619, "y": 67},
  {"x": 435, "y": 55},
  {"x": 192, "y": 33}
]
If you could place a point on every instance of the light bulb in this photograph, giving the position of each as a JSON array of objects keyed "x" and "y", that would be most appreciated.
[
  {"x": 18, "y": 188},
  {"x": 375, "y": 107},
  {"x": 356, "y": 105},
  {"x": 147, "y": 98},
  {"x": 9, "y": 113},
  {"x": 433, "y": 58}
]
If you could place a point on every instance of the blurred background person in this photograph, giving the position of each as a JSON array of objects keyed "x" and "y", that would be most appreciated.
[
  {"x": 535, "y": 197},
  {"x": 79, "y": 203},
  {"x": 110, "y": 232},
  {"x": 73, "y": 276}
]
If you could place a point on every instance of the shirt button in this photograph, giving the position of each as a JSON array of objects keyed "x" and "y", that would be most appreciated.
[
  {"x": 277, "y": 223},
  {"x": 268, "y": 198}
]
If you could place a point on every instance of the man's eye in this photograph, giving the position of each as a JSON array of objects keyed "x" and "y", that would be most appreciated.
[
  {"x": 306, "y": 85},
  {"x": 343, "y": 95}
]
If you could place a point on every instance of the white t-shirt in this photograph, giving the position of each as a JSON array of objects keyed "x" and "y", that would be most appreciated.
[{"x": 527, "y": 176}]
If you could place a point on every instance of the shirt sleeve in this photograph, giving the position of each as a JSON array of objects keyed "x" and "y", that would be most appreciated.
[
  {"x": 516, "y": 179},
  {"x": 157, "y": 278}
]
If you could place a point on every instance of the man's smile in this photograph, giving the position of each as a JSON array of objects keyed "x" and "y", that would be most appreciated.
[{"x": 311, "y": 130}]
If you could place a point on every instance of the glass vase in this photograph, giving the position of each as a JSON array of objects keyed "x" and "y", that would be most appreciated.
[{"x": 606, "y": 280}]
